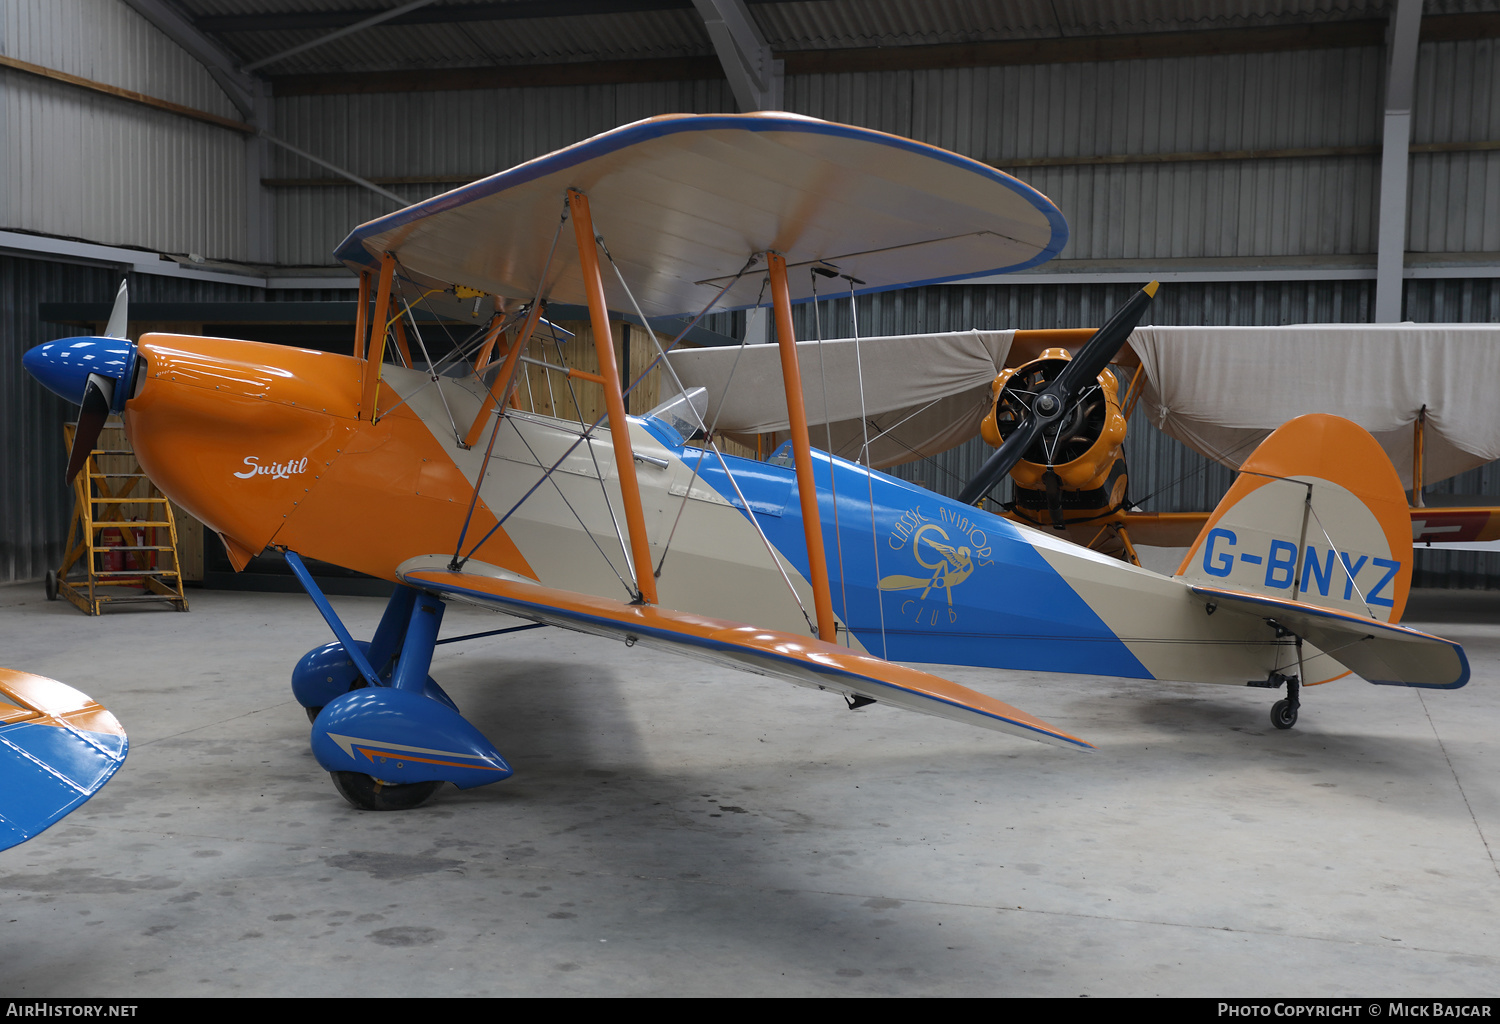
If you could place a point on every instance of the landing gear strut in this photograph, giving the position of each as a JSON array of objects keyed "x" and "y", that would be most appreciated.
[
  {"x": 1284, "y": 712},
  {"x": 383, "y": 730}
]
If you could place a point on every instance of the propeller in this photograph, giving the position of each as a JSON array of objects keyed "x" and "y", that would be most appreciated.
[
  {"x": 92, "y": 372},
  {"x": 1051, "y": 408}
]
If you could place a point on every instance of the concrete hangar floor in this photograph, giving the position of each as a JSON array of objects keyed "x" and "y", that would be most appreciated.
[{"x": 673, "y": 829}]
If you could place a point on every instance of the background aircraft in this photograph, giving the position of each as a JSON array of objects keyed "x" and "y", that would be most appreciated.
[
  {"x": 808, "y": 567},
  {"x": 1218, "y": 390}
]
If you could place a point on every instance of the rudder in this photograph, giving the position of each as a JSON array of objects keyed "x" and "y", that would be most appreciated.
[{"x": 1318, "y": 516}]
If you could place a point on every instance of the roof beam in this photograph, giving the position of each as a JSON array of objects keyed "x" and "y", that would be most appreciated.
[
  {"x": 440, "y": 14},
  {"x": 1406, "y": 24},
  {"x": 336, "y": 169},
  {"x": 238, "y": 86},
  {"x": 755, "y": 76},
  {"x": 372, "y": 20}
]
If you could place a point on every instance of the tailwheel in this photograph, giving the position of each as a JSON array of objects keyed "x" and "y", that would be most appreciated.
[
  {"x": 1284, "y": 714},
  {"x": 51, "y": 584},
  {"x": 365, "y": 793}
]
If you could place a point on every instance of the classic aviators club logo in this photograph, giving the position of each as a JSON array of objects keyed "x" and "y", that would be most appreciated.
[
  {"x": 948, "y": 549},
  {"x": 275, "y": 470}
]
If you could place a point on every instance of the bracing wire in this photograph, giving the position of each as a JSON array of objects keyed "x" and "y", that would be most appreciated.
[
  {"x": 595, "y": 425},
  {"x": 457, "y": 563},
  {"x": 864, "y": 422},
  {"x": 838, "y": 533},
  {"x": 634, "y": 592},
  {"x": 708, "y": 432},
  {"x": 593, "y": 455}
]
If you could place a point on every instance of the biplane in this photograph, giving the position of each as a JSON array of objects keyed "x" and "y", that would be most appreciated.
[{"x": 432, "y": 473}]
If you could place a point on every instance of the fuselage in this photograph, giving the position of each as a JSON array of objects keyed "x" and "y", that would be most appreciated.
[{"x": 268, "y": 446}]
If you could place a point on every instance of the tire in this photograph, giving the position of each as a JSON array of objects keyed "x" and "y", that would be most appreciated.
[
  {"x": 368, "y": 794},
  {"x": 1283, "y": 714},
  {"x": 51, "y": 584}
]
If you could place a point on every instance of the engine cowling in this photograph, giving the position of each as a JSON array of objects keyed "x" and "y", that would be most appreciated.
[{"x": 1076, "y": 469}]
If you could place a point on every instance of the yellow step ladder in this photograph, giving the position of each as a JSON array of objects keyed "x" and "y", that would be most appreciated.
[{"x": 122, "y": 535}]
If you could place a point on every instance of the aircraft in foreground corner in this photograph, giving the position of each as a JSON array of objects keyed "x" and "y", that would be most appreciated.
[
  {"x": 58, "y": 747},
  {"x": 807, "y": 567}
]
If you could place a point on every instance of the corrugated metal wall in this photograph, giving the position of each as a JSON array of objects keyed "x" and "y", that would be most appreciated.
[
  {"x": 1303, "y": 206},
  {"x": 457, "y": 135},
  {"x": 85, "y": 165},
  {"x": 1455, "y": 197}
]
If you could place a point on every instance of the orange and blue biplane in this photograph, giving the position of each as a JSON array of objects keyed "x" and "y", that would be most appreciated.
[{"x": 420, "y": 463}]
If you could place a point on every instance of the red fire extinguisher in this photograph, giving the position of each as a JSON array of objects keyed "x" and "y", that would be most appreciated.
[{"x": 112, "y": 559}]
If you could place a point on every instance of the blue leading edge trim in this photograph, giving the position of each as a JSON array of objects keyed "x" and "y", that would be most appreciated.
[{"x": 353, "y": 253}]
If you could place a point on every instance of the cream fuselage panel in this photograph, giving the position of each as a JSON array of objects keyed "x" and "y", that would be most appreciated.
[
  {"x": 716, "y": 563},
  {"x": 1167, "y": 627}
]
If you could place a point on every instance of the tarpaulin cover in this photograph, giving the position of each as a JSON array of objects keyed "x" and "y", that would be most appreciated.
[
  {"x": 1221, "y": 390},
  {"x": 922, "y": 394}
]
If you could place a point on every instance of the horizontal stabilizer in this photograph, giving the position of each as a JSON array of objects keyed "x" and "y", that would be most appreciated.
[
  {"x": 1378, "y": 651},
  {"x": 58, "y": 747},
  {"x": 798, "y": 659}
]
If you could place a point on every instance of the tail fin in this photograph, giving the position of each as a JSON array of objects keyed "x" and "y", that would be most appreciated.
[{"x": 1317, "y": 516}]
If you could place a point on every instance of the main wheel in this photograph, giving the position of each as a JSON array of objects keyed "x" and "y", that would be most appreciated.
[
  {"x": 1283, "y": 714},
  {"x": 51, "y": 584},
  {"x": 369, "y": 794},
  {"x": 312, "y": 713}
]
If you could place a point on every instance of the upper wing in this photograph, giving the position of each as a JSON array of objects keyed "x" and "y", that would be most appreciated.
[
  {"x": 798, "y": 659},
  {"x": 57, "y": 748},
  {"x": 682, "y": 201}
]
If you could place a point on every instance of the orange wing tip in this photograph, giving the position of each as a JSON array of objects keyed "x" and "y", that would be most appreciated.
[
  {"x": 25, "y": 696},
  {"x": 1150, "y": 289}
]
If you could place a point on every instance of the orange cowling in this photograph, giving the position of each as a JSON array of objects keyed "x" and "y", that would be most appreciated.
[
  {"x": 1092, "y": 443},
  {"x": 236, "y": 432},
  {"x": 263, "y": 443}
]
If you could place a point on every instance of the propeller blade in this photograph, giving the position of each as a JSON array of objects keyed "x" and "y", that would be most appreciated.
[
  {"x": 1005, "y": 457},
  {"x": 1100, "y": 350},
  {"x": 1081, "y": 372},
  {"x": 119, "y": 316},
  {"x": 97, "y": 395}
]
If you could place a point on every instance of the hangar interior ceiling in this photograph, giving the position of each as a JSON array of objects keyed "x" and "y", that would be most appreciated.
[{"x": 1243, "y": 151}]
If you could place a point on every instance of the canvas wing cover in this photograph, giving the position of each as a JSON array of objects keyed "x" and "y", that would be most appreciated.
[
  {"x": 1220, "y": 390},
  {"x": 909, "y": 395},
  {"x": 682, "y": 201},
  {"x": 797, "y": 659}
]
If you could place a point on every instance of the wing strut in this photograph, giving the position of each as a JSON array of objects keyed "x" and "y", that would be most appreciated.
[
  {"x": 807, "y": 488},
  {"x": 614, "y": 400},
  {"x": 378, "y": 329}
]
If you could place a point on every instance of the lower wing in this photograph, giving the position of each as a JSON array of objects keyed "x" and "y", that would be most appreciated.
[{"x": 797, "y": 659}]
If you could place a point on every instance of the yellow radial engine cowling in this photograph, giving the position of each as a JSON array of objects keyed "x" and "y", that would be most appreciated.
[{"x": 1086, "y": 444}]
